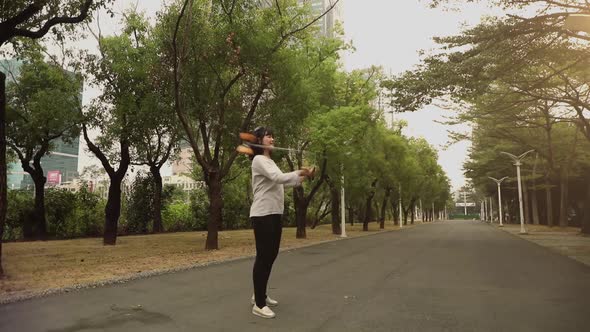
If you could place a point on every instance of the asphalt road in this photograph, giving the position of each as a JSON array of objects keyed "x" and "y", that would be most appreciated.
[{"x": 445, "y": 276}]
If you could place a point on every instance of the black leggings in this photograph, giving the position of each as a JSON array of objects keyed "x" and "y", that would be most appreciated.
[{"x": 267, "y": 232}]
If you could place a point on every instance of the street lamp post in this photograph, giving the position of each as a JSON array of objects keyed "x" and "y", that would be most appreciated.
[
  {"x": 401, "y": 222},
  {"x": 342, "y": 211},
  {"x": 465, "y": 202},
  {"x": 433, "y": 212},
  {"x": 499, "y": 183},
  {"x": 342, "y": 206},
  {"x": 517, "y": 163},
  {"x": 491, "y": 211},
  {"x": 421, "y": 211},
  {"x": 482, "y": 212}
]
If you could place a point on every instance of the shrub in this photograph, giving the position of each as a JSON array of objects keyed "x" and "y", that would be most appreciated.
[
  {"x": 18, "y": 214},
  {"x": 178, "y": 217},
  {"x": 237, "y": 201},
  {"x": 88, "y": 215},
  {"x": 59, "y": 208},
  {"x": 199, "y": 206},
  {"x": 140, "y": 205}
]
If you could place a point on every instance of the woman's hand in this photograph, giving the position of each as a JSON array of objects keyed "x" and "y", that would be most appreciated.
[{"x": 307, "y": 172}]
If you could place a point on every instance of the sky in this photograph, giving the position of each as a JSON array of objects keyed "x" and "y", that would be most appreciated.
[
  {"x": 390, "y": 34},
  {"x": 385, "y": 33}
]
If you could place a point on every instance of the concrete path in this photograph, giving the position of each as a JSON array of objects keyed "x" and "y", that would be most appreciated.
[{"x": 446, "y": 276}]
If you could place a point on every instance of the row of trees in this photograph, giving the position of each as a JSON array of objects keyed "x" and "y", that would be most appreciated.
[
  {"x": 82, "y": 213},
  {"x": 22, "y": 20},
  {"x": 522, "y": 82},
  {"x": 205, "y": 71}
]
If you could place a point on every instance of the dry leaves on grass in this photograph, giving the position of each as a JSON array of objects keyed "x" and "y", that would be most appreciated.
[
  {"x": 568, "y": 241},
  {"x": 34, "y": 267}
]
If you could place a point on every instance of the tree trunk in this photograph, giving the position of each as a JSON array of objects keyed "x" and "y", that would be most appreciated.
[
  {"x": 563, "y": 197},
  {"x": 3, "y": 170},
  {"x": 319, "y": 215},
  {"x": 215, "y": 206},
  {"x": 300, "y": 220},
  {"x": 586, "y": 214},
  {"x": 157, "y": 227},
  {"x": 409, "y": 211},
  {"x": 368, "y": 206},
  {"x": 367, "y": 213},
  {"x": 335, "y": 207},
  {"x": 39, "y": 214},
  {"x": 534, "y": 199},
  {"x": 112, "y": 211},
  {"x": 384, "y": 208},
  {"x": 28, "y": 225},
  {"x": 405, "y": 215},
  {"x": 300, "y": 212},
  {"x": 336, "y": 225},
  {"x": 351, "y": 216},
  {"x": 525, "y": 202},
  {"x": 549, "y": 204},
  {"x": 316, "y": 216},
  {"x": 113, "y": 206},
  {"x": 395, "y": 213},
  {"x": 535, "y": 206},
  {"x": 413, "y": 211}
]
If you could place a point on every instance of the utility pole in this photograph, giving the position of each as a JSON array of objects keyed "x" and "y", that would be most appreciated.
[{"x": 517, "y": 163}]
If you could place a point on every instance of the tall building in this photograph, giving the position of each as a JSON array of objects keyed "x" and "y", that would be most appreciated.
[
  {"x": 61, "y": 165},
  {"x": 184, "y": 164},
  {"x": 329, "y": 21}
]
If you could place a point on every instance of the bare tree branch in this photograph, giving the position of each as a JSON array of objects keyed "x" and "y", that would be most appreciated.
[{"x": 51, "y": 22}]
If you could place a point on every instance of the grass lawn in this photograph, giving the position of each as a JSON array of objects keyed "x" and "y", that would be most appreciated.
[
  {"x": 568, "y": 241},
  {"x": 37, "y": 267}
]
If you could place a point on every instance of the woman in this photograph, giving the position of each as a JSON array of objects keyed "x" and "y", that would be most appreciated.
[{"x": 265, "y": 213}]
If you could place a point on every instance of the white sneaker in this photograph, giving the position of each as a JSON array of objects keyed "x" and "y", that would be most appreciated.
[
  {"x": 264, "y": 312},
  {"x": 269, "y": 302}
]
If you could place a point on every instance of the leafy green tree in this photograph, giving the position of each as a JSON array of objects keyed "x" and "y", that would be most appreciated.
[
  {"x": 129, "y": 115},
  {"x": 156, "y": 130},
  {"x": 42, "y": 107},
  {"x": 140, "y": 204},
  {"x": 237, "y": 196},
  {"x": 343, "y": 136},
  {"x": 60, "y": 207},
  {"x": 423, "y": 180},
  {"x": 337, "y": 90},
  {"x": 399, "y": 173},
  {"x": 226, "y": 58},
  {"x": 179, "y": 217},
  {"x": 171, "y": 194},
  {"x": 319, "y": 67},
  {"x": 21, "y": 20},
  {"x": 20, "y": 214},
  {"x": 88, "y": 218},
  {"x": 528, "y": 70}
]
